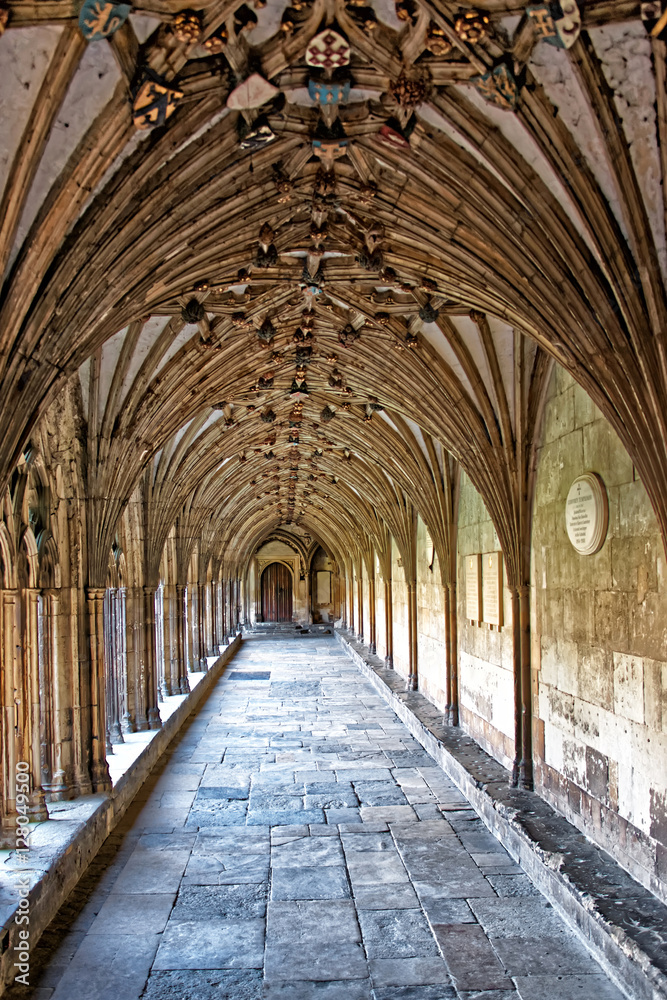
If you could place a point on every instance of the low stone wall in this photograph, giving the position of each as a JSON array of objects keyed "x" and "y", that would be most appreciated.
[
  {"x": 63, "y": 849},
  {"x": 618, "y": 920}
]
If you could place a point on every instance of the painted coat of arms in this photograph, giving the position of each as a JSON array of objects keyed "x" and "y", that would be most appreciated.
[
  {"x": 328, "y": 50},
  {"x": 98, "y": 19}
]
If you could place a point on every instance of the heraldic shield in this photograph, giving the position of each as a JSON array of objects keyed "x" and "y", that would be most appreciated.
[
  {"x": 154, "y": 102},
  {"x": 328, "y": 50},
  {"x": 98, "y": 19}
]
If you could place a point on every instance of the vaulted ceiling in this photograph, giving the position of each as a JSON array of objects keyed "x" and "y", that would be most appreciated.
[{"x": 349, "y": 246}]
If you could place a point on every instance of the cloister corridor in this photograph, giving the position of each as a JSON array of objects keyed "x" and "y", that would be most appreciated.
[{"x": 295, "y": 842}]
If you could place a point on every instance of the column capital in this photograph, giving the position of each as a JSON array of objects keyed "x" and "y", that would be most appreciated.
[{"x": 96, "y": 593}]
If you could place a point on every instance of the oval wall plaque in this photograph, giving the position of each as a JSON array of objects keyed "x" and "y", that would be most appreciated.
[{"x": 587, "y": 513}]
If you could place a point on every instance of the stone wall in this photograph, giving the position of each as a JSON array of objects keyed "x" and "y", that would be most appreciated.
[
  {"x": 599, "y": 629},
  {"x": 486, "y": 686}
]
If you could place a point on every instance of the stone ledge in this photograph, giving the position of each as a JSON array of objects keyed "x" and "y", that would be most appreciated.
[
  {"x": 623, "y": 925},
  {"x": 62, "y": 848}
]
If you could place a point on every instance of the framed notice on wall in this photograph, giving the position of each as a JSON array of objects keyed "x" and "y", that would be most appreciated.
[
  {"x": 492, "y": 588},
  {"x": 473, "y": 588}
]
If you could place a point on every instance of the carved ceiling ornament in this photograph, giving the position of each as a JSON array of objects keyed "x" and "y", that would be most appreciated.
[
  {"x": 472, "y": 27},
  {"x": 436, "y": 40},
  {"x": 407, "y": 11},
  {"x": 411, "y": 88},
  {"x": 215, "y": 44},
  {"x": 193, "y": 312},
  {"x": 187, "y": 26}
]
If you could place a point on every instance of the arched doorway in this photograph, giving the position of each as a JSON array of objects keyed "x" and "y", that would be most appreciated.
[{"x": 276, "y": 593}]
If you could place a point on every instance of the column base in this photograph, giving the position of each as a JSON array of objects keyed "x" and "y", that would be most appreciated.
[
  {"x": 58, "y": 789},
  {"x": 372, "y": 648},
  {"x": 389, "y": 662},
  {"x": 101, "y": 777},
  {"x": 526, "y": 775},
  {"x": 37, "y": 810},
  {"x": 127, "y": 724},
  {"x": 154, "y": 720},
  {"x": 184, "y": 685},
  {"x": 413, "y": 683}
]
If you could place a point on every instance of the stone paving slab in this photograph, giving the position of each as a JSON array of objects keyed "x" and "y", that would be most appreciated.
[{"x": 310, "y": 850}]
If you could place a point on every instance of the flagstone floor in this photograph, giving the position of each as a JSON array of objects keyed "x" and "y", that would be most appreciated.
[{"x": 298, "y": 844}]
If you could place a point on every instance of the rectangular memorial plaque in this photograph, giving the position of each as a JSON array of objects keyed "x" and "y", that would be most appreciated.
[
  {"x": 323, "y": 587},
  {"x": 473, "y": 591},
  {"x": 492, "y": 588}
]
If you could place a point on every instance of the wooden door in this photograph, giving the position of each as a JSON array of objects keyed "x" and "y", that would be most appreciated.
[{"x": 277, "y": 593}]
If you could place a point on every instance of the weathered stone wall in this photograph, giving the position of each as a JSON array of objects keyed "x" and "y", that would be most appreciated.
[
  {"x": 599, "y": 626},
  {"x": 431, "y": 631},
  {"x": 486, "y": 687}
]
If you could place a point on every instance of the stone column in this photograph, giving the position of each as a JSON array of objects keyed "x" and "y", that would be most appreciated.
[
  {"x": 150, "y": 666},
  {"x": 201, "y": 625},
  {"x": 31, "y": 739},
  {"x": 372, "y": 644},
  {"x": 54, "y": 779},
  {"x": 518, "y": 687},
  {"x": 160, "y": 650},
  {"x": 137, "y": 720},
  {"x": 413, "y": 677},
  {"x": 215, "y": 642},
  {"x": 114, "y": 732},
  {"x": 126, "y": 723},
  {"x": 192, "y": 659},
  {"x": 99, "y": 768},
  {"x": 342, "y": 600},
  {"x": 453, "y": 655},
  {"x": 180, "y": 621},
  {"x": 10, "y": 708},
  {"x": 526, "y": 764},
  {"x": 360, "y": 603},
  {"x": 168, "y": 643},
  {"x": 389, "y": 621}
]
